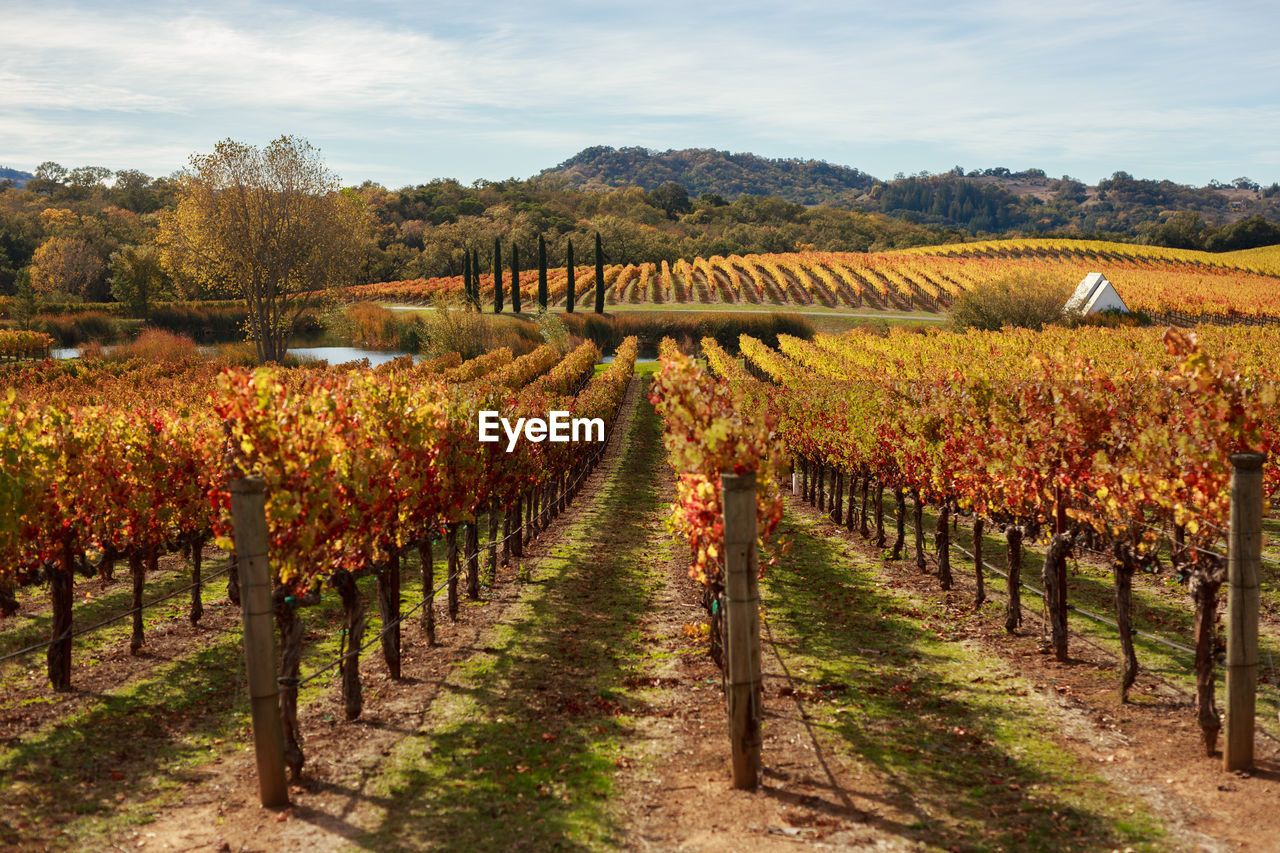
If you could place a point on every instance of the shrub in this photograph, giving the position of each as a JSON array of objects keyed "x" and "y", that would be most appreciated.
[
  {"x": 73, "y": 329},
  {"x": 453, "y": 327},
  {"x": 206, "y": 323},
  {"x": 157, "y": 345},
  {"x": 1028, "y": 299},
  {"x": 553, "y": 330}
]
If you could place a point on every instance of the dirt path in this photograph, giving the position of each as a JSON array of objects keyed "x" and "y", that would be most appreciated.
[
  {"x": 674, "y": 788},
  {"x": 214, "y": 805},
  {"x": 578, "y": 710},
  {"x": 1148, "y": 751}
]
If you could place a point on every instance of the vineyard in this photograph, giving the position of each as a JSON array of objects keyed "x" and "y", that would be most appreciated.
[
  {"x": 1154, "y": 280},
  {"x": 951, "y": 528}
]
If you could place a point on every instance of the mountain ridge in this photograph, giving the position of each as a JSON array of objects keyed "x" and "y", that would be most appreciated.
[
  {"x": 18, "y": 176},
  {"x": 992, "y": 200}
]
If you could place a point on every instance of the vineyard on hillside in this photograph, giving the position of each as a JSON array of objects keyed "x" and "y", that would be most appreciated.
[{"x": 1150, "y": 279}]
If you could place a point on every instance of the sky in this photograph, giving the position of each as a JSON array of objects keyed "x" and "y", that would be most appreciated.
[{"x": 403, "y": 92}]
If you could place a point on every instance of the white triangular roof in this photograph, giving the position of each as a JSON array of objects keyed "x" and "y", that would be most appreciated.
[{"x": 1094, "y": 294}]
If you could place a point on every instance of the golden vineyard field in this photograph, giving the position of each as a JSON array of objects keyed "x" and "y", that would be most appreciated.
[{"x": 1157, "y": 280}]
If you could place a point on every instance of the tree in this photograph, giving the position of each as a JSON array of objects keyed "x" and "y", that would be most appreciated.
[
  {"x": 1027, "y": 299},
  {"x": 542, "y": 272},
  {"x": 67, "y": 265},
  {"x": 467, "y": 285},
  {"x": 134, "y": 190},
  {"x": 497, "y": 275},
  {"x": 26, "y": 301},
  {"x": 671, "y": 198},
  {"x": 1183, "y": 230},
  {"x": 515, "y": 278},
  {"x": 19, "y": 238},
  {"x": 82, "y": 181},
  {"x": 49, "y": 177},
  {"x": 569, "y": 294},
  {"x": 599, "y": 276},
  {"x": 137, "y": 277},
  {"x": 271, "y": 225},
  {"x": 1246, "y": 234}
]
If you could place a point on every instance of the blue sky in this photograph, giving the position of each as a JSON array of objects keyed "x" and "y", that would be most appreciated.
[{"x": 400, "y": 92}]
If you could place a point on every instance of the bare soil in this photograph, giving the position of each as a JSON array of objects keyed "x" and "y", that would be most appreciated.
[
  {"x": 1149, "y": 747},
  {"x": 331, "y": 807},
  {"x": 676, "y": 792},
  {"x": 671, "y": 789}
]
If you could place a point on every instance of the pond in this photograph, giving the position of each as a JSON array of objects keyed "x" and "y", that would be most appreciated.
[
  {"x": 338, "y": 355},
  {"x": 333, "y": 355}
]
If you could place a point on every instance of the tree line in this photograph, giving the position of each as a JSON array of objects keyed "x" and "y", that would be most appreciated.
[
  {"x": 90, "y": 234},
  {"x": 87, "y": 233}
]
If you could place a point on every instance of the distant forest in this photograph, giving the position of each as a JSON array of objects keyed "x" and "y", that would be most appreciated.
[
  {"x": 994, "y": 202},
  {"x": 88, "y": 232}
]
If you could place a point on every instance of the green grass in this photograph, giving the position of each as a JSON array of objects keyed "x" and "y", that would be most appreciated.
[
  {"x": 1161, "y": 607},
  {"x": 965, "y": 744},
  {"x": 521, "y": 748},
  {"x": 127, "y": 753},
  {"x": 111, "y": 763},
  {"x": 823, "y": 319},
  {"x": 1270, "y": 579}
]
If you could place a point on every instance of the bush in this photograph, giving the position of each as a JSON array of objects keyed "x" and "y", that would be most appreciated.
[
  {"x": 207, "y": 323},
  {"x": 1113, "y": 319},
  {"x": 1028, "y": 299},
  {"x": 452, "y": 327},
  {"x": 74, "y": 329},
  {"x": 157, "y": 345},
  {"x": 553, "y": 330}
]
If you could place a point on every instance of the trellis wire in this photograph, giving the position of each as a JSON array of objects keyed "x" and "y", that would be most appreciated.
[{"x": 125, "y": 615}]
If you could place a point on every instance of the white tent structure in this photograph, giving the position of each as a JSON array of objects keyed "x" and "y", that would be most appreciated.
[{"x": 1094, "y": 294}]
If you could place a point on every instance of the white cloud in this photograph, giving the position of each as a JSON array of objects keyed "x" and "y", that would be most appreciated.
[{"x": 1082, "y": 84}]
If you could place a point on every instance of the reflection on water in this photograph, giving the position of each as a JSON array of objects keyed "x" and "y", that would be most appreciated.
[
  {"x": 338, "y": 355},
  {"x": 333, "y": 355}
]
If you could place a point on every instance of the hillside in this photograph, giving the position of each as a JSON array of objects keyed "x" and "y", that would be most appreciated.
[
  {"x": 706, "y": 170},
  {"x": 18, "y": 176},
  {"x": 990, "y": 201},
  {"x": 1164, "y": 283}
]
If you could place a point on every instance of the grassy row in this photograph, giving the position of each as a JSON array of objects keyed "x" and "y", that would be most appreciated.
[
  {"x": 124, "y": 755},
  {"x": 521, "y": 748},
  {"x": 1161, "y": 608},
  {"x": 965, "y": 744}
]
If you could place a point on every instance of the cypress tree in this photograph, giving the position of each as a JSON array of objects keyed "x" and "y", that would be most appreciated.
[
  {"x": 542, "y": 273},
  {"x": 515, "y": 278},
  {"x": 569, "y": 295},
  {"x": 497, "y": 275},
  {"x": 599, "y": 276},
  {"x": 466, "y": 278}
]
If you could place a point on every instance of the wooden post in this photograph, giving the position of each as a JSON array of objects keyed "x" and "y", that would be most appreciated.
[
  {"x": 742, "y": 626},
  {"x": 1243, "y": 562},
  {"x": 249, "y": 530}
]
